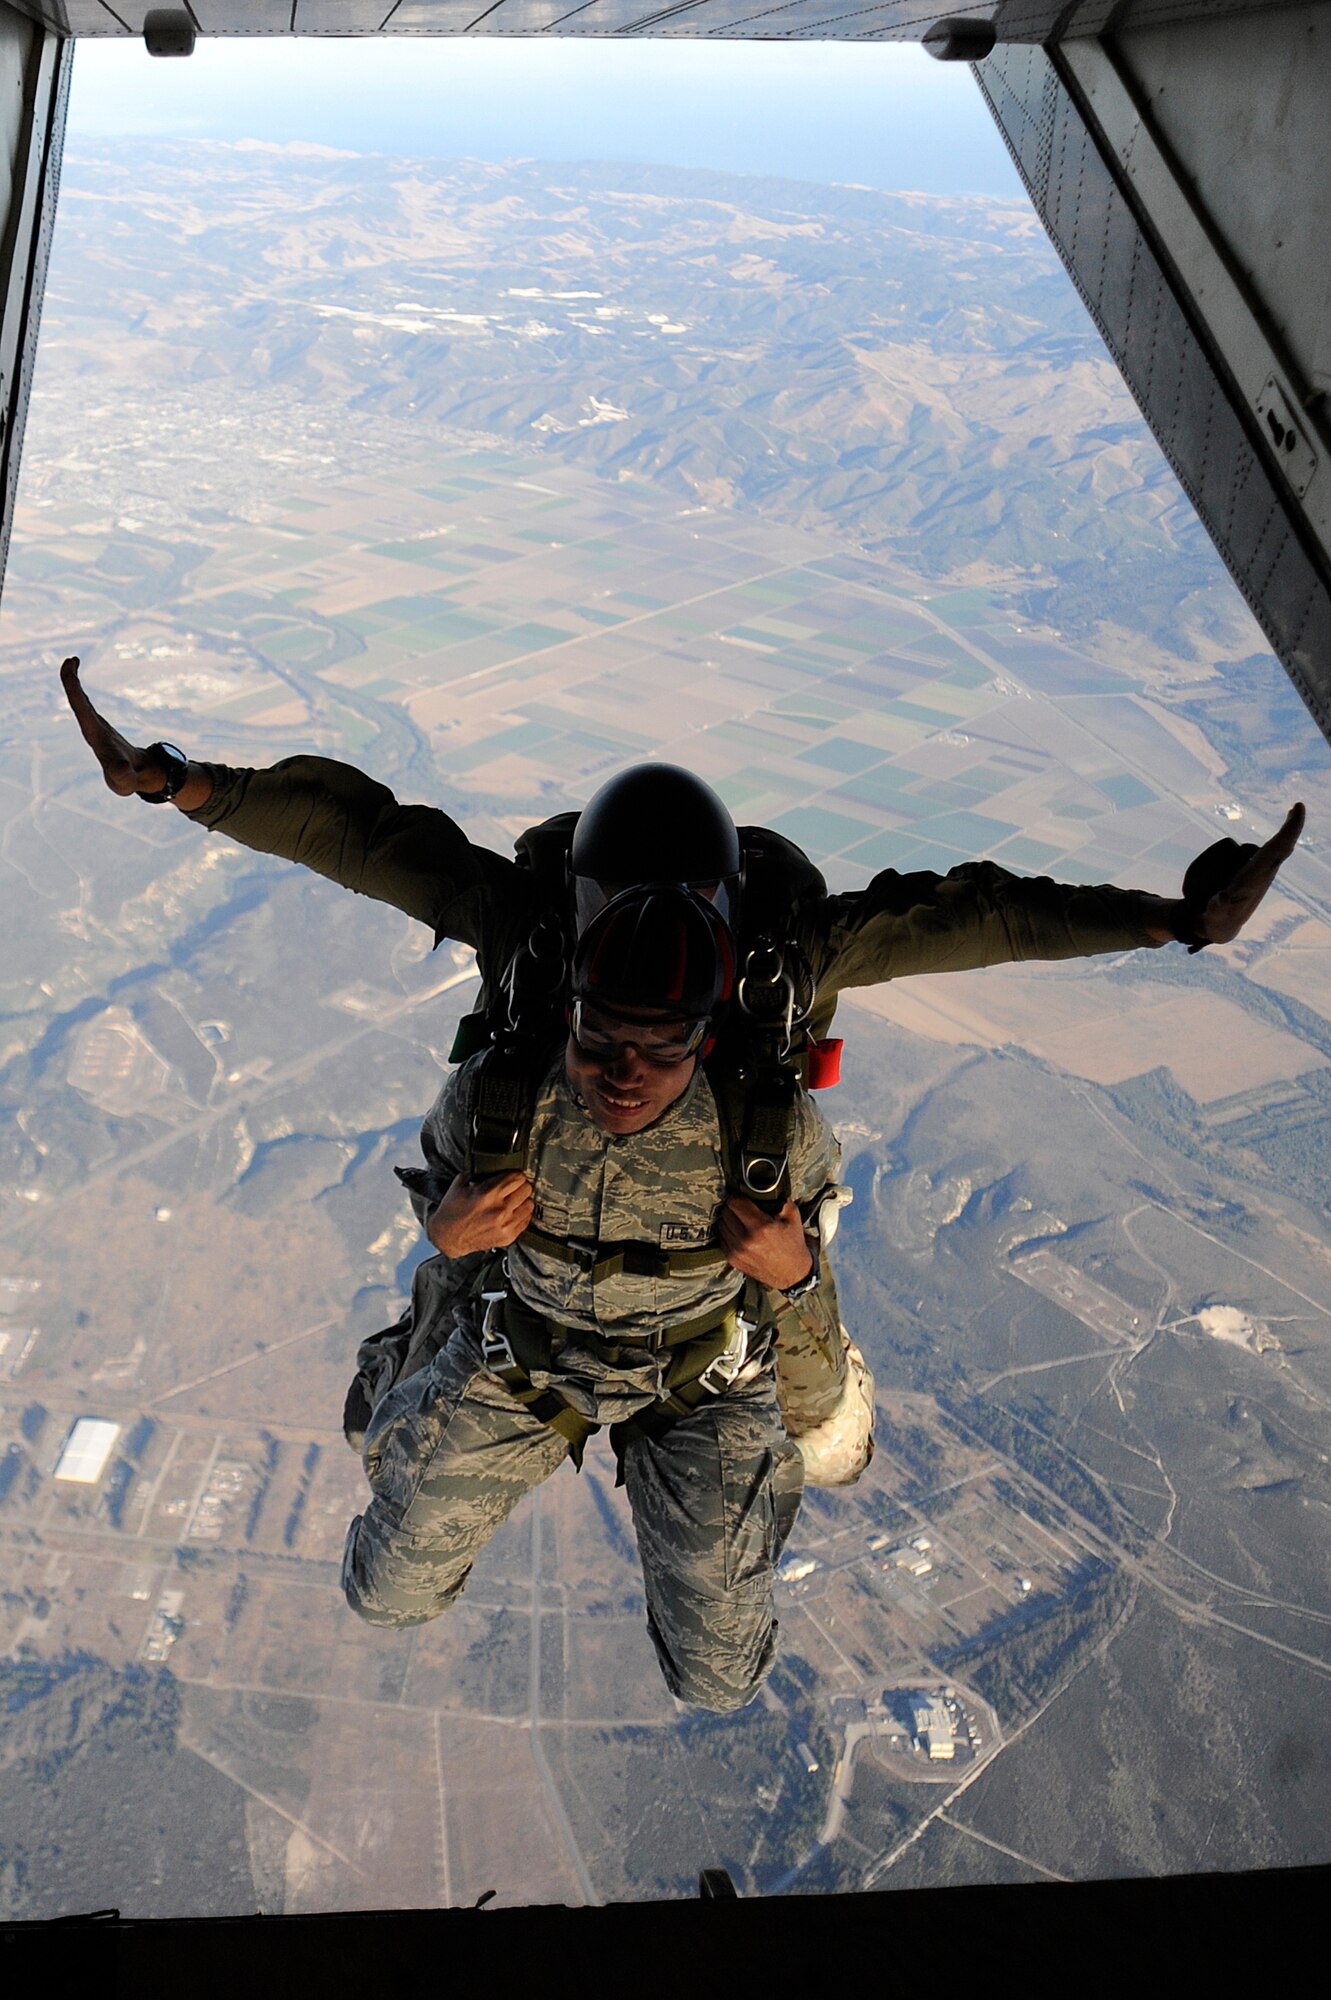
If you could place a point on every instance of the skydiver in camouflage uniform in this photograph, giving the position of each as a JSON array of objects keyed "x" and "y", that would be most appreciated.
[
  {"x": 532, "y": 1326},
  {"x": 344, "y": 825}
]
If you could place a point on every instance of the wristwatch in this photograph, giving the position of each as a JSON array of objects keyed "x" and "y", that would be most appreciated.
[
  {"x": 792, "y": 1294},
  {"x": 176, "y": 765}
]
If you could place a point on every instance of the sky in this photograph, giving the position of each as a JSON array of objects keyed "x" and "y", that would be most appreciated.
[{"x": 884, "y": 115}]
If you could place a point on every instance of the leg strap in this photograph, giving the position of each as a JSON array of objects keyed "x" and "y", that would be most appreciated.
[{"x": 511, "y": 1368}]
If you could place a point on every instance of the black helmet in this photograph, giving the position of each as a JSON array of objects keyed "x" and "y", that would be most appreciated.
[
  {"x": 653, "y": 823},
  {"x": 657, "y": 948}
]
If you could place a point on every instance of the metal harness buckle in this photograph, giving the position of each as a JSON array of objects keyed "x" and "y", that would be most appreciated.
[
  {"x": 496, "y": 1348},
  {"x": 720, "y": 1373}
]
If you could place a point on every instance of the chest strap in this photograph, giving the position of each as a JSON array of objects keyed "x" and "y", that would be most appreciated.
[{"x": 599, "y": 1261}]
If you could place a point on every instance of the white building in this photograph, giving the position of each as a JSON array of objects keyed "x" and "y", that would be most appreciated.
[
  {"x": 87, "y": 1448},
  {"x": 796, "y": 1567},
  {"x": 933, "y": 1730}
]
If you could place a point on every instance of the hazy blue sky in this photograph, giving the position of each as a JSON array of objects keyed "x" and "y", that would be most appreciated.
[{"x": 886, "y": 115}]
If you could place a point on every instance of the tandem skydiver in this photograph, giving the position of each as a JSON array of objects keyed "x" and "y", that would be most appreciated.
[
  {"x": 596, "y": 1288},
  {"x": 795, "y": 946}
]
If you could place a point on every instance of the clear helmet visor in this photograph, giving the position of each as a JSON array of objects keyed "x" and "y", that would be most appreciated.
[{"x": 590, "y": 897}]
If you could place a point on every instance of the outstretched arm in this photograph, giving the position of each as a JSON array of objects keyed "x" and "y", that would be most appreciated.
[
  {"x": 980, "y": 914},
  {"x": 331, "y": 818}
]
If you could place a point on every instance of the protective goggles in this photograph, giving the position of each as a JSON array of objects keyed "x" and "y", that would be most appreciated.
[{"x": 663, "y": 1043}]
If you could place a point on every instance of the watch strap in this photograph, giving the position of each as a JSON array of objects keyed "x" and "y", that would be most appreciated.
[
  {"x": 792, "y": 1294},
  {"x": 176, "y": 765}
]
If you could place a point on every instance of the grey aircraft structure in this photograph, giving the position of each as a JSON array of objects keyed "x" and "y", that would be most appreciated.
[{"x": 1176, "y": 152}]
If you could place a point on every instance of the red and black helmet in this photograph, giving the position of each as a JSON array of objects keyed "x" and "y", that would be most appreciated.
[{"x": 660, "y": 948}]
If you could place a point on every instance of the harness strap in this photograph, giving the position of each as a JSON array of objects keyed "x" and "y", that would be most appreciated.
[
  {"x": 624, "y": 1258},
  {"x": 510, "y": 1352},
  {"x": 687, "y": 1388},
  {"x": 756, "y": 1106},
  {"x": 533, "y": 1334},
  {"x": 504, "y": 1103},
  {"x": 501, "y": 1119},
  {"x": 515, "y": 1339}
]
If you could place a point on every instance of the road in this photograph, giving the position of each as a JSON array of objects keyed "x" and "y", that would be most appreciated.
[{"x": 534, "y": 1716}]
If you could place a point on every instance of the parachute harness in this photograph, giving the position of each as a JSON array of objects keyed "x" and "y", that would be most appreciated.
[
  {"x": 759, "y": 1065},
  {"x": 767, "y": 992},
  {"x": 707, "y": 1354},
  {"x": 757, "y": 1082}
]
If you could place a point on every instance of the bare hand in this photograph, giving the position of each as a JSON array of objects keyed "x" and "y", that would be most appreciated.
[
  {"x": 126, "y": 769},
  {"x": 772, "y": 1249},
  {"x": 481, "y": 1215},
  {"x": 1223, "y": 916}
]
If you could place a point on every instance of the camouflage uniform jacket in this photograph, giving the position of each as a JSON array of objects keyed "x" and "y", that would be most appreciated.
[
  {"x": 663, "y": 1186},
  {"x": 333, "y": 819}
]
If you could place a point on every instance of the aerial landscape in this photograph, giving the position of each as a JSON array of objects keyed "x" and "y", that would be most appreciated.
[{"x": 490, "y": 480}]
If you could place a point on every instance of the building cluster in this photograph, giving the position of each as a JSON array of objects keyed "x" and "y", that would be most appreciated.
[
  {"x": 914, "y": 1557},
  {"x": 14, "y": 1294},
  {"x": 940, "y": 1721},
  {"x": 224, "y": 1488}
]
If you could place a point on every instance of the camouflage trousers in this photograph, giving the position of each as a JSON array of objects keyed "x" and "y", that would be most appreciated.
[{"x": 449, "y": 1453}]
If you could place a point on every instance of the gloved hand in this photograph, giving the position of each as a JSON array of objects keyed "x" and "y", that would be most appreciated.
[{"x": 1224, "y": 885}]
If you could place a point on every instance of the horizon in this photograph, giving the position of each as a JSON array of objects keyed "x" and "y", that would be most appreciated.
[{"x": 751, "y": 108}]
